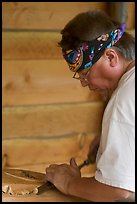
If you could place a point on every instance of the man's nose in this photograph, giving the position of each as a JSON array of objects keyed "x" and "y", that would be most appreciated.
[{"x": 84, "y": 83}]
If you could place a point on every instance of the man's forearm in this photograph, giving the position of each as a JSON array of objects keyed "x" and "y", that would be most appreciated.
[{"x": 90, "y": 189}]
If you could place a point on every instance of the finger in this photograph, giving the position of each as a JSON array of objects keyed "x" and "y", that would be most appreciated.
[
  {"x": 49, "y": 177},
  {"x": 51, "y": 166},
  {"x": 73, "y": 163},
  {"x": 50, "y": 169}
]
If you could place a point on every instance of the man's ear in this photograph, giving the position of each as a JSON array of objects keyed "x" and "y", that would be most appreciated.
[{"x": 112, "y": 56}]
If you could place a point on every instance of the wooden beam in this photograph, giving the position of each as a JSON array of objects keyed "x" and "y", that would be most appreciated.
[
  {"x": 43, "y": 15},
  {"x": 31, "y": 45},
  {"x": 51, "y": 120},
  {"x": 45, "y": 151},
  {"x": 33, "y": 82}
]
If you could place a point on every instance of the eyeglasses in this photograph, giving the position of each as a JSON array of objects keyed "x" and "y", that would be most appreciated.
[{"x": 81, "y": 76}]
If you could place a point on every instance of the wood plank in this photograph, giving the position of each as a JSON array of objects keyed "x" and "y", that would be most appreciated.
[
  {"x": 46, "y": 151},
  {"x": 31, "y": 45},
  {"x": 43, "y": 15},
  {"x": 32, "y": 82},
  {"x": 51, "y": 120}
]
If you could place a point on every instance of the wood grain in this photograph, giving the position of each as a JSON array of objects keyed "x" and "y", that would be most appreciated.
[
  {"x": 32, "y": 82},
  {"x": 43, "y": 15},
  {"x": 46, "y": 151},
  {"x": 51, "y": 120},
  {"x": 31, "y": 45}
]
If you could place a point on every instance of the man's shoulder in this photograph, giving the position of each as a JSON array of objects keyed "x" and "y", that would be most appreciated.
[{"x": 126, "y": 87}]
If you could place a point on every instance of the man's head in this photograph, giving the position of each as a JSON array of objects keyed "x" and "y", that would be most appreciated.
[
  {"x": 82, "y": 39},
  {"x": 89, "y": 52}
]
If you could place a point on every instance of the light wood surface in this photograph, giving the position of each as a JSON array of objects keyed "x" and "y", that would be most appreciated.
[
  {"x": 51, "y": 120},
  {"x": 28, "y": 82},
  {"x": 31, "y": 45},
  {"x": 29, "y": 152},
  {"x": 43, "y": 15}
]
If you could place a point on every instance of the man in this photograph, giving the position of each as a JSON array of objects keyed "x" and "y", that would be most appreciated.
[{"x": 101, "y": 55}]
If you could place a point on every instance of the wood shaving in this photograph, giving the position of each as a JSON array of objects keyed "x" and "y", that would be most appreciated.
[{"x": 9, "y": 191}]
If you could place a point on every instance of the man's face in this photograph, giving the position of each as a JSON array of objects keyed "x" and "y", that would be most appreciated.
[
  {"x": 105, "y": 74},
  {"x": 97, "y": 76}
]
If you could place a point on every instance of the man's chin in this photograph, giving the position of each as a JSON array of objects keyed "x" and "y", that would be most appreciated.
[
  {"x": 102, "y": 92},
  {"x": 95, "y": 89}
]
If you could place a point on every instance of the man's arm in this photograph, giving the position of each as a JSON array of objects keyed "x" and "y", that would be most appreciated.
[
  {"x": 68, "y": 180},
  {"x": 91, "y": 189}
]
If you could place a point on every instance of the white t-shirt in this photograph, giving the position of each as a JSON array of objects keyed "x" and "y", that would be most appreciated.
[{"x": 116, "y": 154}]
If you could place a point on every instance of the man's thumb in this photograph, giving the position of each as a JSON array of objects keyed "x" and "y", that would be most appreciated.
[{"x": 73, "y": 163}]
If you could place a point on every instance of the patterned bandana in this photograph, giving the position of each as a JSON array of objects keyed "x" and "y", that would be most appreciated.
[{"x": 90, "y": 51}]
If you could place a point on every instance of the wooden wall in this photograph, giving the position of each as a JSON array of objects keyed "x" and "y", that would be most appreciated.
[{"x": 47, "y": 116}]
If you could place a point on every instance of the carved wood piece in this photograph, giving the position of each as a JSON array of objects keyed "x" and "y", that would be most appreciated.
[
  {"x": 16, "y": 186},
  {"x": 25, "y": 174}
]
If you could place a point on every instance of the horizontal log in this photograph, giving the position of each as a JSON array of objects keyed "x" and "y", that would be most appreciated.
[
  {"x": 33, "y": 82},
  {"x": 51, "y": 120},
  {"x": 43, "y": 15},
  {"x": 29, "y": 152},
  {"x": 31, "y": 45}
]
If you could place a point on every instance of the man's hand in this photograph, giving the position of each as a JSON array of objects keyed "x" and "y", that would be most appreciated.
[
  {"x": 93, "y": 148},
  {"x": 61, "y": 175}
]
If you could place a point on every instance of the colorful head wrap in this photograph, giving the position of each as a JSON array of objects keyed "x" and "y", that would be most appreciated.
[{"x": 90, "y": 51}]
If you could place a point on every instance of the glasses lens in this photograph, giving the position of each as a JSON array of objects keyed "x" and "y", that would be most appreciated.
[
  {"x": 76, "y": 76},
  {"x": 81, "y": 76}
]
